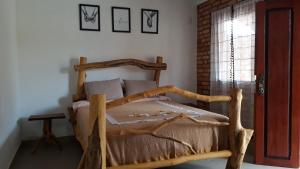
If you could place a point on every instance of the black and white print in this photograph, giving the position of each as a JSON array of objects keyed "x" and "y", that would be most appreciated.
[
  {"x": 150, "y": 21},
  {"x": 121, "y": 19},
  {"x": 89, "y": 17}
]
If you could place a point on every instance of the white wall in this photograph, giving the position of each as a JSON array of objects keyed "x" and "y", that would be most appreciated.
[
  {"x": 9, "y": 130},
  {"x": 50, "y": 42}
]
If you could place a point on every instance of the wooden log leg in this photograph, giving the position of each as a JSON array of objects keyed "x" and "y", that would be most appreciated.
[
  {"x": 82, "y": 160},
  {"x": 237, "y": 158},
  {"x": 94, "y": 156},
  {"x": 239, "y": 137}
]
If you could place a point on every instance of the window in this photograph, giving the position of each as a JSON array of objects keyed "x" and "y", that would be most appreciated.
[
  {"x": 241, "y": 68},
  {"x": 237, "y": 71}
]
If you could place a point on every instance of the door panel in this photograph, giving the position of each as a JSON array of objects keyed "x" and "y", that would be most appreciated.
[
  {"x": 277, "y": 80},
  {"x": 277, "y": 61}
]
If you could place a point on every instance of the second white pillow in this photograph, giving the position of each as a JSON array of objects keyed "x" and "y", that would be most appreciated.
[{"x": 138, "y": 86}]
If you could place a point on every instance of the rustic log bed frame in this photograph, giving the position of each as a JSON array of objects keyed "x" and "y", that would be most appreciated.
[{"x": 94, "y": 156}]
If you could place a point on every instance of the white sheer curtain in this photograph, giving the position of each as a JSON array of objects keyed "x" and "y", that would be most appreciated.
[{"x": 239, "y": 19}]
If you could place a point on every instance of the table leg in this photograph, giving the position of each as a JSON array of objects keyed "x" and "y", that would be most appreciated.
[
  {"x": 47, "y": 130},
  {"x": 56, "y": 142},
  {"x": 37, "y": 145},
  {"x": 47, "y": 136}
]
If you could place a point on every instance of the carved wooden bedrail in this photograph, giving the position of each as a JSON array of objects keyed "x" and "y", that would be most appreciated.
[{"x": 164, "y": 90}]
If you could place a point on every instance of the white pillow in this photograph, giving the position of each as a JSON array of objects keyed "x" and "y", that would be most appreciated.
[
  {"x": 111, "y": 88},
  {"x": 138, "y": 86}
]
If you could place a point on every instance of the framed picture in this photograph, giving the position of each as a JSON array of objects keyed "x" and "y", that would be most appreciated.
[
  {"x": 121, "y": 19},
  {"x": 89, "y": 16},
  {"x": 150, "y": 21}
]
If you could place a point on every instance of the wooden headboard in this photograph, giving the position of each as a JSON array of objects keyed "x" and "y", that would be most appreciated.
[{"x": 83, "y": 66}]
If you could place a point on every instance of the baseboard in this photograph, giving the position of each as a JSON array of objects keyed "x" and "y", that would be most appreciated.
[
  {"x": 9, "y": 148},
  {"x": 64, "y": 139}
]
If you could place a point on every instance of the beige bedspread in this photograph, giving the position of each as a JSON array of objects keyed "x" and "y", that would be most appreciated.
[{"x": 124, "y": 148}]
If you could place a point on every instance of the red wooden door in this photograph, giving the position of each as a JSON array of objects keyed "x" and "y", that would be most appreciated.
[{"x": 277, "y": 100}]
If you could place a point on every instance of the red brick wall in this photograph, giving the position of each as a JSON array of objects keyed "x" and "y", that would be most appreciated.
[{"x": 203, "y": 44}]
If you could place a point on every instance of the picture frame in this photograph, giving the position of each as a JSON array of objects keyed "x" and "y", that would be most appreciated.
[
  {"x": 89, "y": 17},
  {"x": 121, "y": 19},
  {"x": 150, "y": 21}
]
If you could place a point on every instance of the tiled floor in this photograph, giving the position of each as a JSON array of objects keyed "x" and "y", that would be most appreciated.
[{"x": 49, "y": 157}]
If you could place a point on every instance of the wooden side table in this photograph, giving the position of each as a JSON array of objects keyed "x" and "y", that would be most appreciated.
[{"x": 47, "y": 137}]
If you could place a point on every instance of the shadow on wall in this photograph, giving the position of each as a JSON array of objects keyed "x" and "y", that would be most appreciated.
[
  {"x": 61, "y": 127},
  {"x": 9, "y": 147},
  {"x": 67, "y": 100}
]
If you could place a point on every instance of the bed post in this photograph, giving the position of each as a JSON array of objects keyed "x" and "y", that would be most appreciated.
[
  {"x": 94, "y": 156},
  {"x": 239, "y": 137},
  {"x": 100, "y": 108},
  {"x": 159, "y": 59},
  {"x": 80, "y": 81}
]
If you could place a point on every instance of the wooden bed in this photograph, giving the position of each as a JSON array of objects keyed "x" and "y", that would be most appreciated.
[{"x": 94, "y": 156}]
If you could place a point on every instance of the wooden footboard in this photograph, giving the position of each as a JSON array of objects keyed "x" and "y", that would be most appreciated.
[{"x": 94, "y": 156}]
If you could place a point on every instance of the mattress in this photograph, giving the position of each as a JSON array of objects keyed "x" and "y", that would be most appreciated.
[{"x": 124, "y": 147}]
